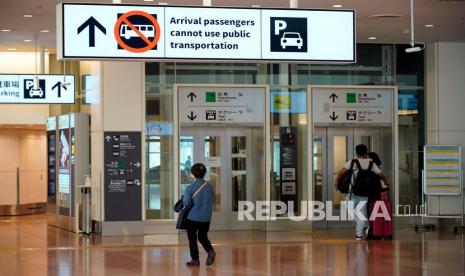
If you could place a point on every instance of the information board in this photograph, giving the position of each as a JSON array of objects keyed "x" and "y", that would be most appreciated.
[
  {"x": 225, "y": 105},
  {"x": 109, "y": 31},
  {"x": 360, "y": 106},
  {"x": 123, "y": 176},
  {"x": 48, "y": 89},
  {"x": 442, "y": 173}
]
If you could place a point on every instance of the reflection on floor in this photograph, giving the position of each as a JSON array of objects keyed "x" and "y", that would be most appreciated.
[{"x": 29, "y": 247}]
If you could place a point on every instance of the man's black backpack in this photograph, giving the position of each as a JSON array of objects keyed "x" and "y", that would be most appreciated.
[
  {"x": 346, "y": 179},
  {"x": 366, "y": 183}
]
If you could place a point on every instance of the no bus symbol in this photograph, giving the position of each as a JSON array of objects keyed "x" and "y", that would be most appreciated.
[{"x": 137, "y": 31}]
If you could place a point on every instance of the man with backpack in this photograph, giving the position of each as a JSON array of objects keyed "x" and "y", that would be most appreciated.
[{"x": 359, "y": 178}]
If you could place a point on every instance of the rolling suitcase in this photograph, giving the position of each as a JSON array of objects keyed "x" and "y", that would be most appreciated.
[{"x": 381, "y": 228}]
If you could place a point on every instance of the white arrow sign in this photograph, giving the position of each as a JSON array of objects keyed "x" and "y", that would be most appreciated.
[{"x": 34, "y": 89}]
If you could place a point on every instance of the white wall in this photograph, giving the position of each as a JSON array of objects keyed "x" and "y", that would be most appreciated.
[
  {"x": 9, "y": 145},
  {"x": 23, "y": 149},
  {"x": 445, "y": 103},
  {"x": 445, "y": 93},
  {"x": 22, "y": 63}
]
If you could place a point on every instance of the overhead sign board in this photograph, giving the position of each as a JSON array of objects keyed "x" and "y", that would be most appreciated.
[
  {"x": 361, "y": 106},
  {"x": 224, "y": 105},
  {"x": 49, "y": 89},
  {"x": 101, "y": 31}
]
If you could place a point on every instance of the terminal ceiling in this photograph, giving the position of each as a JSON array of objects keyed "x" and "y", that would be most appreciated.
[{"x": 447, "y": 16}]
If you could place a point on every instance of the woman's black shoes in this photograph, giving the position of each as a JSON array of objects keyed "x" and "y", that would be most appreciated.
[
  {"x": 193, "y": 263},
  {"x": 211, "y": 258}
]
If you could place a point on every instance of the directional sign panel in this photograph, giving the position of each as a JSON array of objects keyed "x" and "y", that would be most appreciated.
[
  {"x": 225, "y": 105},
  {"x": 49, "y": 89},
  {"x": 123, "y": 176},
  {"x": 104, "y": 31},
  {"x": 360, "y": 106}
]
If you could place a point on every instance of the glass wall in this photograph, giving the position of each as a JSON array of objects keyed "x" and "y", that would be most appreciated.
[
  {"x": 409, "y": 76},
  {"x": 288, "y": 109},
  {"x": 159, "y": 182},
  {"x": 376, "y": 65}
]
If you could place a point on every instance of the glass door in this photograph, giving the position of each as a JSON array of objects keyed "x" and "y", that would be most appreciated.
[
  {"x": 227, "y": 155},
  {"x": 340, "y": 143},
  {"x": 332, "y": 148},
  {"x": 319, "y": 164},
  {"x": 187, "y": 156},
  {"x": 240, "y": 186},
  {"x": 367, "y": 136},
  {"x": 206, "y": 146}
]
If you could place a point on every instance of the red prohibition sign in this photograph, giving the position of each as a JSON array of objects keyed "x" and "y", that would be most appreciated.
[{"x": 124, "y": 19}]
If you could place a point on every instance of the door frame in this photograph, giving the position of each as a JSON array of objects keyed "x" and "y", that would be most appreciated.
[
  {"x": 266, "y": 126},
  {"x": 394, "y": 129},
  {"x": 353, "y": 135}
]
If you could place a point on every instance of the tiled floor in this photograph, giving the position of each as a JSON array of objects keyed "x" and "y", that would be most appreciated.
[{"x": 29, "y": 247}]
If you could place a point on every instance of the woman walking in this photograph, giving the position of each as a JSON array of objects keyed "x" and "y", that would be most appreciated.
[{"x": 199, "y": 217}]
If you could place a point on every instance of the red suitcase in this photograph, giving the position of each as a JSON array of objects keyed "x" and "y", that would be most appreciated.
[{"x": 381, "y": 228}]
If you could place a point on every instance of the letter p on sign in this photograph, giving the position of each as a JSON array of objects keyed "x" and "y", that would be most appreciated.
[
  {"x": 28, "y": 84},
  {"x": 279, "y": 25}
]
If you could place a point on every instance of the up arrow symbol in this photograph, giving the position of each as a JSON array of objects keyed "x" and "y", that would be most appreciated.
[
  {"x": 192, "y": 96},
  {"x": 333, "y": 97},
  {"x": 92, "y": 24},
  {"x": 58, "y": 86}
]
